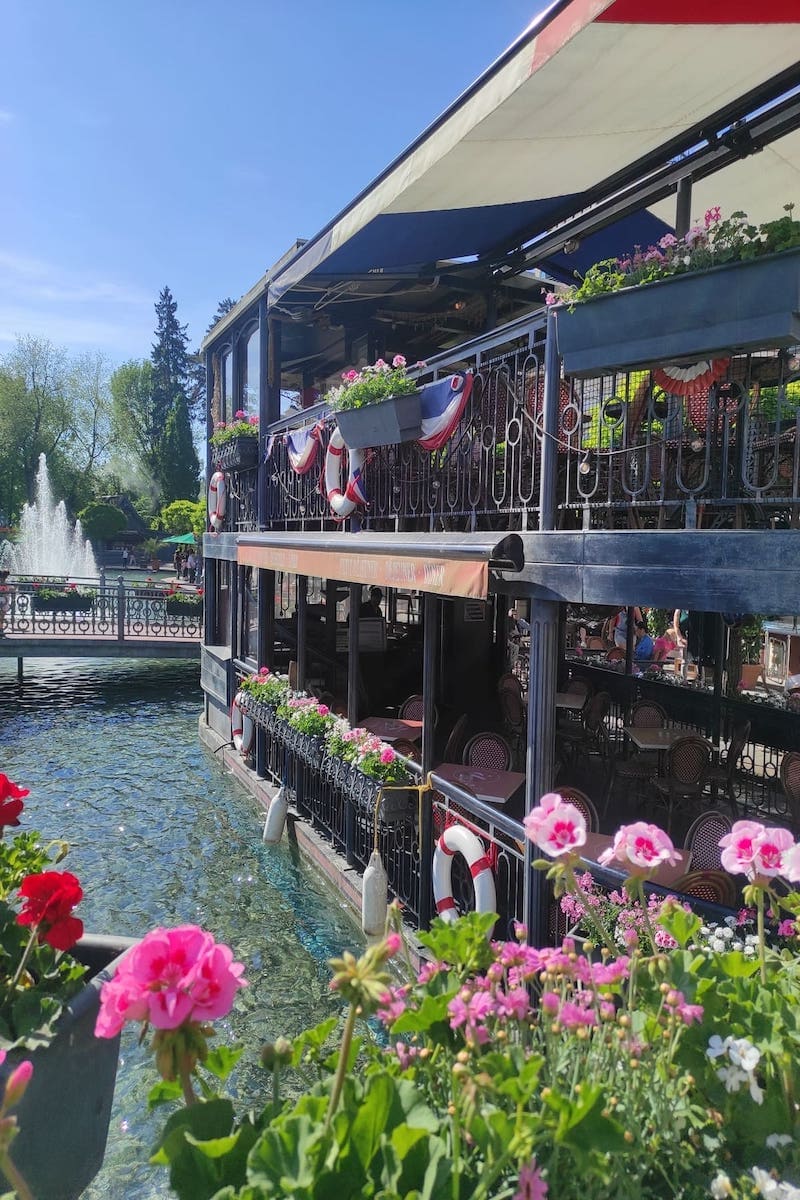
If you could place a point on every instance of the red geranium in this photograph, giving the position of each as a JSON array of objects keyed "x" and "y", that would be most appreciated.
[
  {"x": 9, "y": 813},
  {"x": 49, "y": 900},
  {"x": 10, "y": 790}
]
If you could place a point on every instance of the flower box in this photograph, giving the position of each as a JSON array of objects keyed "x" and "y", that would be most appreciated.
[
  {"x": 740, "y": 306},
  {"x": 64, "y": 603},
  {"x": 64, "y": 1114},
  {"x": 184, "y": 608},
  {"x": 398, "y": 419},
  {"x": 239, "y": 454}
]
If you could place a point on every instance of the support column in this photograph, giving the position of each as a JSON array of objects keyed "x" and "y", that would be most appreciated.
[
  {"x": 630, "y": 642},
  {"x": 541, "y": 751},
  {"x": 683, "y": 206},
  {"x": 302, "y": 630},
  {"x": 352, "y": 655},
  {"x": 548, "y": 445},
  {"x": 431, "y": 616},
  {"x": 263, "y": 410},
  {"x": 266, "y": 619}
]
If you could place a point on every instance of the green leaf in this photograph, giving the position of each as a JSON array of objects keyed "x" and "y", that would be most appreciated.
[
  {"x": 308, "y": 1045},
  {"x": 683, "y": 926},
  {"x": 164, "y": 1092},
  {"x": 736, "y": 966},
  {"x": 221, "y": 1060},
  {"x": 203, "y": 1121},
  {"x": 372, "y": 1117},
  {"x": 431, "y": 1011}
]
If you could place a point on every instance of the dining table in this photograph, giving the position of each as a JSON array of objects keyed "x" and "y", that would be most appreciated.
[
  {"x": 488, "y": 784},
  {"x": 665, "y": 875},
  {"x": 393, "y": 729},
  {"x": 658, "y": 738},
  {"x": 570, "y": 701}
]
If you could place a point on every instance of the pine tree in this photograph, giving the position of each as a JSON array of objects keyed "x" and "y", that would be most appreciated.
[
  {"x": 170, "y": 358},
  {"x": 178, "y": 468}
]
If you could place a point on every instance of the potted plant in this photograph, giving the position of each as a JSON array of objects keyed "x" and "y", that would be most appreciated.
[
  {"x": 234, "y": 445},
  {"x": 377, "y": 406},
  {"x": 58, "y": 1077},
  {"x": 184, "y": 604},
  {"x": 726, "y": 285},
  {"x": 69, "y": 598}
]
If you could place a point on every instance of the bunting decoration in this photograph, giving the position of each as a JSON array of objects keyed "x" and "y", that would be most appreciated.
[
  {"x": 692, "y": 379},
  {"x": 441, "y": 405},
  {"x": 301, "y": 447}
]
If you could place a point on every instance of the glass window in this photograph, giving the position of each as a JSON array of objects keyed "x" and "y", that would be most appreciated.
[
  {"x": 227, "y": 386},
  {"x": 251, "y": 369},
  {"x": 249, "y": 648}
]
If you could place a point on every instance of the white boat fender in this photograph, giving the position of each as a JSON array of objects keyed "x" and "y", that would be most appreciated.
[
  {"x": 457, "y": 839},
  {"x": 275, "y": 823},
  {"x": 374, "y": 896},
  {"x": 243, "y": 727}
]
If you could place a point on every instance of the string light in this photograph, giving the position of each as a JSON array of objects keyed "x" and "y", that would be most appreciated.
[{"x": 585, "y": 464}]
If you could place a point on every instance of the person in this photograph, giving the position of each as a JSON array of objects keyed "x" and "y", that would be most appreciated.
[
  {"x": 372, "y": 607},
  {"x": 621, "y": 626},
  {"x": 177, "y": 562},
  {"x": 517, "y": 624},
  {"x": 5, "y": 600},
  {"x": 191, "y": 566},
  {"x": 680, "y": 627},
  {"x": 664, "y": 646},
  {"x": 645, "y": 646},
  {"x": 125, "y": 557}
]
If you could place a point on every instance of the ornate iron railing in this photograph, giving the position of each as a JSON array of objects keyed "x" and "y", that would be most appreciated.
[{"x": 113, "y": 610}]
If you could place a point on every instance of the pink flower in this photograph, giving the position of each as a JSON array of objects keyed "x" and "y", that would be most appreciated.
[
  {"x": 668, "y": 241},
  {"x": 253, "y": 420},
  {"x": 791, "y": 864},
  {"x": 555, "y": 826},
  {"x": 693, "y": 235},
  {"x": 381, "y": 364},
  {"x": 323, "y": 710},
  {"x": 640, "y": 847},
  {"x": 398, "y": 361},
  {"x": 712, "y": 216},
  {"x": 753, "y": 850},
  {"x": 171, "y": 976},
  {"x": 787, "y": 928},
  {"x": 393, "y": 944},
  {"x": 405, "y": 1054},
  {"x": 530, "y": 1185},
  {"x": 387, "y": 755},
  {"x": 550, "y": 298},
  {"x": 17, "y": 1083},
  {"x": 239, "y": 414}
]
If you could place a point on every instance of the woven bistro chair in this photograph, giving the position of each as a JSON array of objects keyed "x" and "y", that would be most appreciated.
[
  {"x": 687, "y": 762},
  {"x": 702, "y": 840},
  {"x": 722, "y": 778},
  {"x": 454, "y": 745},
  {"x": 490, "y": 750},
  {"x": 407, "y": 749},
  {"x": 591, "y": 736},
  {"x": 584, "y": 805},
  {"x": 413, "y": 708},
  {"x": 632, "y": 775},
  {"x": 790, "y": 782},
  {"x": 717, "y": 887}
]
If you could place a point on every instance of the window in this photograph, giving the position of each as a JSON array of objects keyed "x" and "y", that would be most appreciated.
[
  {"x": 251, "y": 370},
  {"x": 227, "y": 406}
]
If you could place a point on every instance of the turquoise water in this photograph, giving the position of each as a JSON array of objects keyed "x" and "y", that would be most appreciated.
[{"x": 160, "y": 834}]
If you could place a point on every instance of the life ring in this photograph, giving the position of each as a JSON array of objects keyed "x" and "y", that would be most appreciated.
[
  {"x": 344, "y": 502},
  {"x": 456, "y": 839},
  {"x": 242, "y": 727},
  {"x": 216, "y": 500}
]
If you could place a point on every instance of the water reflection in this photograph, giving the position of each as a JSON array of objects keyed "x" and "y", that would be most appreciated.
[{"x": 161, "y": 835}]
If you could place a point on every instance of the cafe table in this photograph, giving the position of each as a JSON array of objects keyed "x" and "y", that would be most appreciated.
[
  {"x": 659, "y": 738},
  {"x": 393, "y": 729},
  {"x": 571, "y": 701},
  {"x": 488, "y": 784},
  {"x": 664, "y": 875}
]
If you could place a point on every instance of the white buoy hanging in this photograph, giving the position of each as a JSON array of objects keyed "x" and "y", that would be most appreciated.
[
  {"x": 375, "y": 887},
  {"x": 276, "y": 816}
]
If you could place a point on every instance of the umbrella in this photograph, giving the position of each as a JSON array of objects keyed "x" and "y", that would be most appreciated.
[{"x": 181, "y": 539}]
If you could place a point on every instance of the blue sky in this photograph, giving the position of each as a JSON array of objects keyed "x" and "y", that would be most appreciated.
[{"x": 186, "y": 142}]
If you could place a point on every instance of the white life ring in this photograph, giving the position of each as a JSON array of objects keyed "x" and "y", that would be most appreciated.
[
  {"x": 216, "y": 500},
  {"x": 456, "y": 839},
  {"x": 242, "y": 727},
  {"x": 344, "y": 502}
]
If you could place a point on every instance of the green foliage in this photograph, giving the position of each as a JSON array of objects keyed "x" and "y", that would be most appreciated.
[
  {"x": 228, "y": 432},
  {"x": 169, "y": 359},
  {"x": 183, "y": 516},
  {"x": 179, "y": 467},
  {"x": 102, "y": 522},
  {"x": 371, "y": 385}
]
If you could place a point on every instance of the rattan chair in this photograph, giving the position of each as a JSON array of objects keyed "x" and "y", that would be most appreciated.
[
  {"x": 407, "y": 749},
  {"x": 632, "y": 775},
  {"x": 590, "y": 737},
  {"x": 455, "y": 742},
  {"x": 687, "y": 763},
  {"x": 790, "y": 782},
  {"x": 702, "y": 840},
  {"x": 584, "y": 805},
  {"x": 490, "y": 750},
  {"x": 413, "y": 709},
  {"x": 722, "y": 778},
  {"x": 717, "y": 887},
  {"x": 646, "y": 714}
]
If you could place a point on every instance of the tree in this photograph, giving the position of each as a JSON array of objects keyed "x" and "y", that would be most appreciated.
[
  {"x": 169, "y": 358},
  {"x": 223, "y": 308},
  {"x": 197, "y": 366},
  {"x": 134, "y": 417},
  {"x": 179, "y": 468},
  {"x": 102, "y": 522},
  {"x": 184, "y": 516}
]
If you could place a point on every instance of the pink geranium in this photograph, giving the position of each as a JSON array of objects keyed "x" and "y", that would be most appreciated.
[
  {"x": 753, "y": 850},
  {"x": 172, "y": 976},
  {"x": 555, "y": 826},
  {"x": 640, "y": 848}
]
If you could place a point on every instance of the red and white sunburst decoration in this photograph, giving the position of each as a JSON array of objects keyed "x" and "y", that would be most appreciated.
[{"x": 692, "y": 379}]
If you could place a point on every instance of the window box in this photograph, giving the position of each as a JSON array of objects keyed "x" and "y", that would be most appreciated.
[
  {"x": 239, "y": 454},
  {"x": 66, "y": 603},
  {"x": 397, "y": 419},
  {"x": 741, "y": 306}
]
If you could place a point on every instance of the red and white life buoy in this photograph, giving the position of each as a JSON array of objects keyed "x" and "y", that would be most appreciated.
[
  {"x": 344, "y": 502},
  {"x": 456, "y": 839},
  {"x": 242, "y": 727},
  {"x": 216, "y": 500}
]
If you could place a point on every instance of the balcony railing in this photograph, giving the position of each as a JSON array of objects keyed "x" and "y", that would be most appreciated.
[{"x": 113, "y": 610}]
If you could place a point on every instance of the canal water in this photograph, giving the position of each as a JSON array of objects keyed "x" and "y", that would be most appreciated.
[{"x": 161, "y": 835}]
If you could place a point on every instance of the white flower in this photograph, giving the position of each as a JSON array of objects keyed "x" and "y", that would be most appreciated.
[
  {"x": 716, "y": 1046},
  {"x": 776, "y": 1140},
  {"x": 732, "y": 1077},
  {"x": 720, "y": 1186},
  {"x": 744, "y": 1054}
]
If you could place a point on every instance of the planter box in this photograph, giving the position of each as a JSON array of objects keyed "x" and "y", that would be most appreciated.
[
  {"x": 395, "y": 420},
  {"x": 64, "y": 1114},
  {"x": 61, "y": 604},
  {"x": 239, "y": 454},
  {"x": 176, "y": 609},
  {"x": 736, "y": 307}
]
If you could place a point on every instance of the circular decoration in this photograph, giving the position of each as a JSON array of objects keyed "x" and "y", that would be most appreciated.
[
  {"x": 691, "y": 379},
  {"x": 659, "y": 403},
  {"x": 612, "y": 410}
]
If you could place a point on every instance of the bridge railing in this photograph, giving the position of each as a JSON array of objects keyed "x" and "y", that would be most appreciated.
[{"x": 102, "y": 609}]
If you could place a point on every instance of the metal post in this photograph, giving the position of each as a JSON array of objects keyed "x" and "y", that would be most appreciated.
[
  {"x": 630, "y": 642},
  {"x": 19, "y": 670},
  {"x": 263, "y": 410},
  {"x": 541, "y": 750},
  {"x": 302, "y": 630},
  {"x": 209, "y": 409},
  {"x": 548, "y": 445},
  {"x": 683, "y": 206},
  {"x": 431, "y": 616},
  {"x": 120, "y": 609},
  {"x": 352, "y": 711},
  {"x": 719, "y": 666},
  {"x": 266, "y": 621},
  {"x": 210, "y": 576}
]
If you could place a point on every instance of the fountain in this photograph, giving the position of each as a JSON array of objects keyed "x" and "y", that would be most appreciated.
[{"x": 48, "y": 545}]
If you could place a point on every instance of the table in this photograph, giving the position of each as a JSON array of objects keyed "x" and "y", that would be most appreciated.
[
  {"x": 485, "y": 783},
  {"x": 393, "y": 729},
  {"x": 665, "y": 875},
  {"x": 570, "y": 700},
  {"x": 659, "y": 738}
]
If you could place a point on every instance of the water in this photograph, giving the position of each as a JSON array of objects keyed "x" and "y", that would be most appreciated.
[
  {"x": 161, "y": 835},
  {"x": 48, "y": 544}
]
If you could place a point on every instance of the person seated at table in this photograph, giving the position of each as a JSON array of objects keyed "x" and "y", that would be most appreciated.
[
  {"x": 664, "y": 646},
  {"x": 372, "y": 606},
  {"x": 645, "y": 646},
  {"x": 621, "y": 626}
]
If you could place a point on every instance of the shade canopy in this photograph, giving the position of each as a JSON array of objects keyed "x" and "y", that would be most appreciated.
[
  {"x": 182, "y": 539},
  {"x": 593, "y": 95}
]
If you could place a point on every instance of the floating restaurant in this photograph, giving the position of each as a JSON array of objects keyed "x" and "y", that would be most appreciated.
[{"x": 563, "y": 474}]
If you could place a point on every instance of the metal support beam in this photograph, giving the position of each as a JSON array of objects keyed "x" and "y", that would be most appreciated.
[
  {"x": 431, "y": 616},
  {"x": 541, "y": 751},
  {"x": 683, "y": 206},
  {"x": 549, "y": 430},
  {"x": 302, "y": 630},
  {"x": 266, "y": 619},
  {"x": 352, "y": 712},
  {"x": 630, "y": 641},
  {"x": 263, "y": 409}
]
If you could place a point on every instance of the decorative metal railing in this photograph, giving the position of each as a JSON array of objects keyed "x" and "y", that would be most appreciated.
[{"x": 110, "y": 611}]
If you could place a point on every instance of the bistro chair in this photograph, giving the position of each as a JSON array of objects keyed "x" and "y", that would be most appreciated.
[
  {"x": 717, "y": 887},
  {"x": 790, "y": 782},
  {"x": 703, "y": 837},
  {"x": 584, "y": 805},
  {"x": 407, "y": 749},
  {"x": 513, "y": 712},
  {"x": 591, "y": 736},
  {"x": 633, "y": 774},
  {"x": 455, "y": 742},
  {"x": 490, "y": 750},
  {"x": 413, "y": 708},
  {"x": 687, "y": 763},
  {"x": 722, "y": 778},
  {"x": 646, "y": 714}
]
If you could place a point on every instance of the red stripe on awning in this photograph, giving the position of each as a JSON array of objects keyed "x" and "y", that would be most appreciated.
[{"x": 702, "y": 12}]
